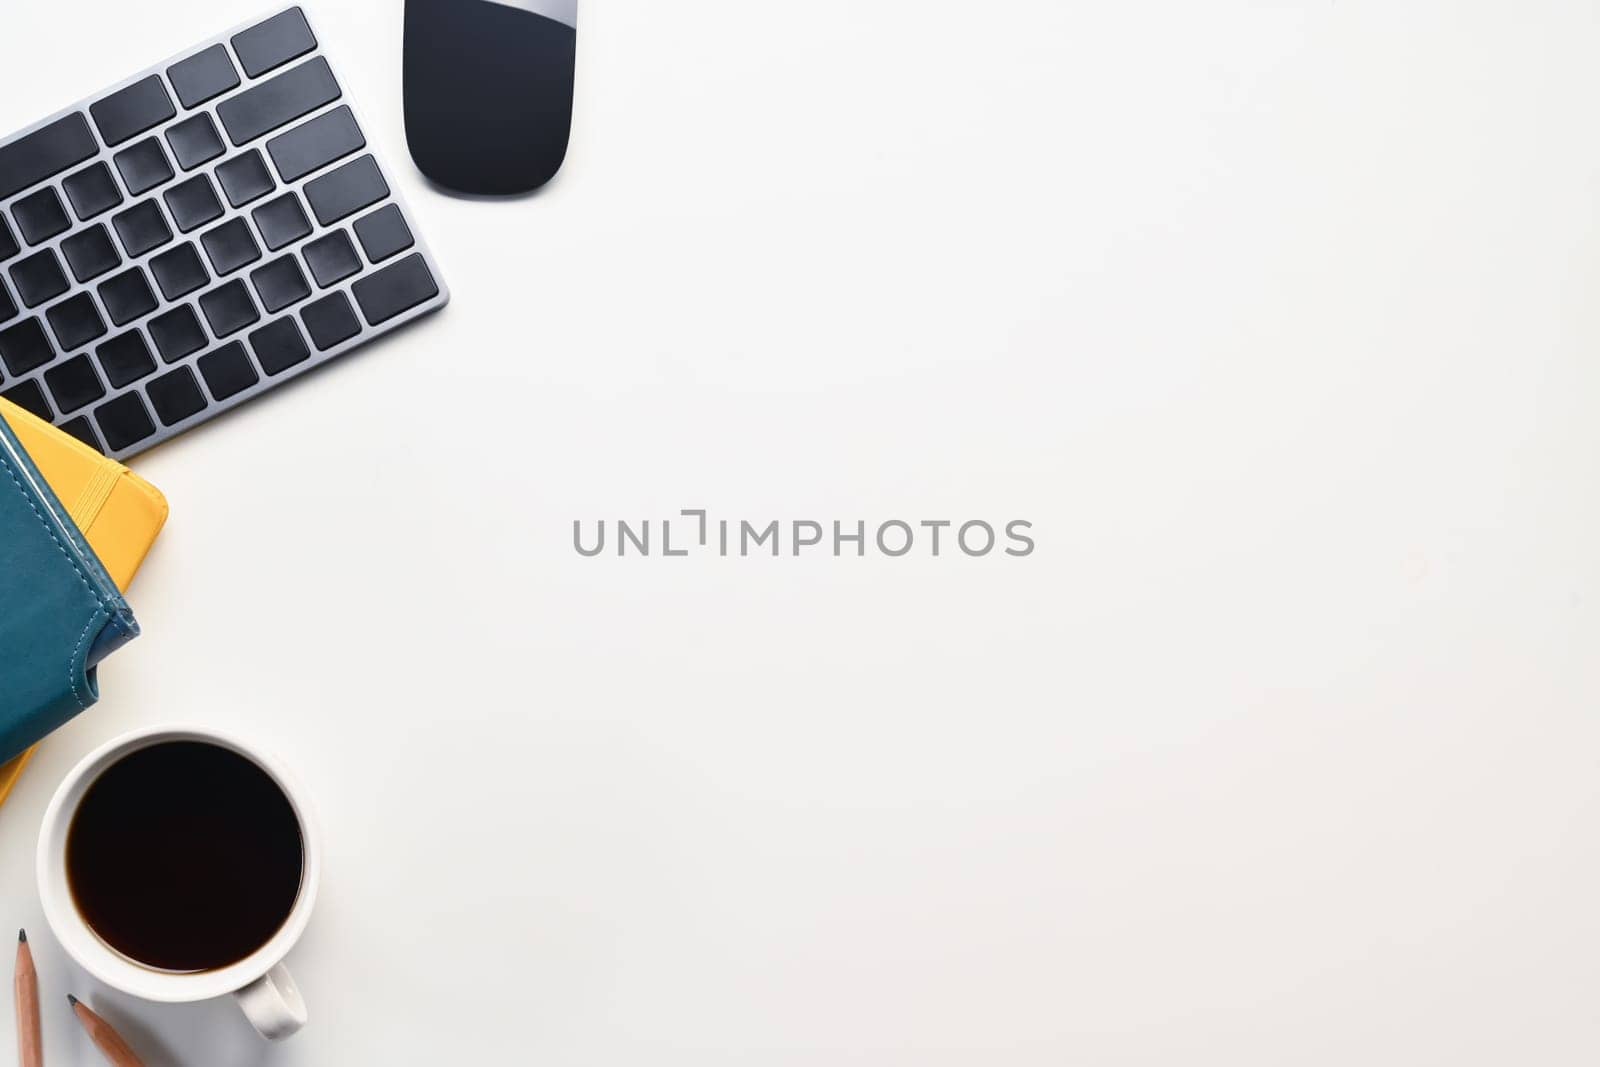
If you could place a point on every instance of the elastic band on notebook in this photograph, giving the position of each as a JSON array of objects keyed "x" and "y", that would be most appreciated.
[{"x": 94, "y": 496}]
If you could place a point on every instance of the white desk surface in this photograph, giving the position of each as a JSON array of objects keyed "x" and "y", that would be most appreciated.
[{"x": 1280, "y": 321}]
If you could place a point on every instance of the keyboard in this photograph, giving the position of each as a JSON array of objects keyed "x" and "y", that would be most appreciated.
[{"x": 194, "y": 236}]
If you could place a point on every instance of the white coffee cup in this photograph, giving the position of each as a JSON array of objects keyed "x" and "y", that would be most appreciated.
[{"x": 259, "y": 982}]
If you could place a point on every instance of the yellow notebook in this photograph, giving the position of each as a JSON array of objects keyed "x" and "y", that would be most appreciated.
[{"x": 119, "y": 512}]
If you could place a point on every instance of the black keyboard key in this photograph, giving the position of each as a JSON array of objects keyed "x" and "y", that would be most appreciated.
[
  {"x": 179, "y": 271},
  {"x": 274, "y": 42},
  {"x": 24, "y": 347},
  {"x": 202, "y": 76},
  {"x": 74, "y": 384},
  {"x": 141, "y": 228},
  {"x": 90, "y": 253},
  {"x": 332, "y": 258},
  {"x": 230, "y": 246},
  {"x": 176, "y": 396},
  {"x": 40, "y": 216},
  {"x": 228, "y": 370},
  {"x": 395, "y": 289},
  {"x": 245, "y": 178},
  {"x": 29, "y": 396},
  {"x": 222, "y": 225},
  {"x": 176, "y": 333},
  {"x": 279, "y": 346},
  {"x": 282, "y": 221},
  {"x": 124, "y": 421},
  {"x": 92, "y": 190},
  {"x": 280, "y": 283},
  {"x": 346, "y": 190},
  {"x": 281, "y": 100},
  {"x": 229, "y": 308},
  {"x": 330, "y": 320},
  {"x": 38, "y": 278},
  {"x": 125, "y": 359},
  {"x": 193, "y": 203},
  {"x": 44, "y": 153},
  {"x": 132, "y": 110},
  {"x": 384, "y": 233},
  {"x": 83, "y": 430},
  {"x": 316, "y": 144},
  {"x": 194, "y": 141},
  {"x": 143, "y": 166},
  {"x": 127, "y": 296},
  {"x": 75, "y": 322}
]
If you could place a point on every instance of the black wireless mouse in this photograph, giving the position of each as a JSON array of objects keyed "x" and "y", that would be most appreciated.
[{"x": 488, "y": 91}]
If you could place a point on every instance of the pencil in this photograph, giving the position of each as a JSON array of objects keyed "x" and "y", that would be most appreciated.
[
  {"x": 107, "y": 1040},
  {"x": 30, "y": 1046}
]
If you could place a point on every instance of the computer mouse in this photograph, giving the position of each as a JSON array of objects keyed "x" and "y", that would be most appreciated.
[{"x": 488, "y": 91}]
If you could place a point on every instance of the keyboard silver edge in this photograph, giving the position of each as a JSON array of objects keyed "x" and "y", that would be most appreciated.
[{"x": 266, "y": 383}]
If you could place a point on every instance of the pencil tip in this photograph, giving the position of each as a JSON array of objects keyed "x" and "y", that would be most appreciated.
[
  {"x": 22, "y": 935},
  {"x": 72, "y": 1000}
]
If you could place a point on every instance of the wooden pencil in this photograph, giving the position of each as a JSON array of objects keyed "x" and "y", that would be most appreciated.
[
  {"x": 30, "y": 1046},
  {"x": 107, "y": 1040}
]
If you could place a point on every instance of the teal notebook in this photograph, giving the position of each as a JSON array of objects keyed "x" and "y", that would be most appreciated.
[{"x": 60, "y": 613}]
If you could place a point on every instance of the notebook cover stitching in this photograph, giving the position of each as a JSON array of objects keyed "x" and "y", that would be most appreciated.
[
  {"x": 11, "y": 773},
  {"x": 99, "y": 598},
  {"x": 72, "y": 674}
]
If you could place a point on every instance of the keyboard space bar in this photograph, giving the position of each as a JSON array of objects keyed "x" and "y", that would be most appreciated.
[
  {"x": 45, "y": 153},
  {"x": 278, "y": 101}
]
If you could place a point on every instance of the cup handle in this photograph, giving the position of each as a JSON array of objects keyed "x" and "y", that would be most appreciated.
[{"x": 273, "y": 1004}]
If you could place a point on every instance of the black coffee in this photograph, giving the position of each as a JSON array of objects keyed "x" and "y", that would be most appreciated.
[{"x": 185, "y": 856}]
